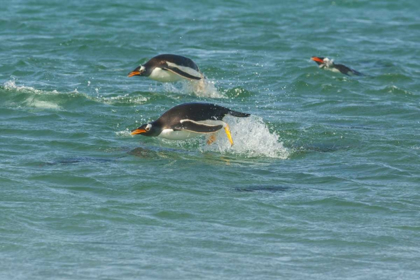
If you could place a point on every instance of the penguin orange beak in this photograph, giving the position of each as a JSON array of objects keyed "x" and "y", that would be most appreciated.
[
  {"x": 317, "y": 59},
  {"x": 135, "y": 72},
  {"x": 137, "y": 131}
]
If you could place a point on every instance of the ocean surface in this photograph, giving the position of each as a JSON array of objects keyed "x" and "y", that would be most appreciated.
[{"x": 323, "y": 181}]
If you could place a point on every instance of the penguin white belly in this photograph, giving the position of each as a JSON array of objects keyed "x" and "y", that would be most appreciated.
[
  {"x": 213, "y": 122},
  {"x": 164, "y": 76},
  {"x": 326, "y": 67},
  {"x": 177, "y": 135}
]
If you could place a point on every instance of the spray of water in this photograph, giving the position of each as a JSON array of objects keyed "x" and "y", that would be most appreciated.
[{"x": 251, "y": 138}]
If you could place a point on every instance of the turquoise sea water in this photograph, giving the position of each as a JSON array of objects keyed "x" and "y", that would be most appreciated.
[{"x": 323, "y": 181}]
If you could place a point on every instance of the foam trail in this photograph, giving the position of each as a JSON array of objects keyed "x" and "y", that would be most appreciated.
[
  {"x": 42, "y": 98},
  {"x": 251, "y": 138},
  {"x": 123, "y": 99},
  {"x": 202, "y": 88},
  {"x": 33, "y": 100}
]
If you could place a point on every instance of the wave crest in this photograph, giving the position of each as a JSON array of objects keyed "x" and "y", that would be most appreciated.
[{"x": 34, "y": 99}]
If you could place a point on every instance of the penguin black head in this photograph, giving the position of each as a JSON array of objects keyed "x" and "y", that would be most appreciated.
[
  {"x": 148, "y": 129},
  {"x": 142, "y": 70},
  {"x": 323, "y": 62}
]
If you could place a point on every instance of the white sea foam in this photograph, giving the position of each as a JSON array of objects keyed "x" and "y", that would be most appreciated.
[
  {"x": 251, "y": 138},
  {"x": 124, "y": 133},
  {"x": 123, "y": 99},
  {"x": 11, "y": 85},
  {"x": 34, "y": 100}
]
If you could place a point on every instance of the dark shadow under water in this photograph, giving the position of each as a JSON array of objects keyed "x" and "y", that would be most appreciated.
[
  {"x": 75, "y": 160},
  {"x": 268, "y": 188}
]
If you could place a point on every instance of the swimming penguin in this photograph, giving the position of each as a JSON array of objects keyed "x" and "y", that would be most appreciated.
[
  {"x": 169, "y": 68},
  {"x": 190, "y": 120},
  {"x": 325, "y": 62}
]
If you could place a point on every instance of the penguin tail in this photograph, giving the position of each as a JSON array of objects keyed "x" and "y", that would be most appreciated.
[
  {"x": 357, "y": 73},
  {"x": 238, "y": 114}
]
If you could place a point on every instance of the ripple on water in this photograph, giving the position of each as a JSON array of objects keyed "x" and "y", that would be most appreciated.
[
  {"x": 202, "y": 88},
  {"x": 26, "y": 96},
  {"x": 390, "y": 89}
]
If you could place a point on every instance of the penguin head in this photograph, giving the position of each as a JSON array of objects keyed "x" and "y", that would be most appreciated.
[
  {"x": 139, "y": 71},
  {"x": 323, "y": 62},
  {"x": 148, "y": 129}
]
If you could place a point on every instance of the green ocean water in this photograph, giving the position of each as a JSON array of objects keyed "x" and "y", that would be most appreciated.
[{"x": 323, "y": 181}]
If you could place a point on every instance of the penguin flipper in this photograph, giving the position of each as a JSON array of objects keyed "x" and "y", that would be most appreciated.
[
  {"x": 193, "y": 126},
  {"x": 357, "y": 73},
  {"x": 347, "y": 70},
  {"x": 185, "y": 72}
]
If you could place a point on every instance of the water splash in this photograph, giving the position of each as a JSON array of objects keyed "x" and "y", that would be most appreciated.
[{"x": 251, "y": 137}]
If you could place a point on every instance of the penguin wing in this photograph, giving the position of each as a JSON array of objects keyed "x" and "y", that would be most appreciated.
[
  {"x": 183, "y": 71},
  {"x": 193, "y": 126},
  {"x": 357, "y": 73}
]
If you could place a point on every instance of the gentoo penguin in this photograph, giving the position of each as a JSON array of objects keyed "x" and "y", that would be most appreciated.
[
  {"x": 190, "y": 120},
  {"x": 326, "y": 63},
  {"x": 169, "y": 68}
]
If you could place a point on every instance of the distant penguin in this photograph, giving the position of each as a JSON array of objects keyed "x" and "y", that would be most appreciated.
[
  {"x": 326, "y": 63},
  {"x": 169, "y": 68},
  {"x": 190, "y": 120}
]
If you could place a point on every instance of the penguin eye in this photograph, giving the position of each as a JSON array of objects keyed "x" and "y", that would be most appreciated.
[{"x": 148, "y": 127}]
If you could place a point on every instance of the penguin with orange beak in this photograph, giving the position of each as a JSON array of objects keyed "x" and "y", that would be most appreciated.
[
  {"x": 190, "y": 120},
  {"x": 169, "y": 68},
  {"x": 326, "y": 63}
]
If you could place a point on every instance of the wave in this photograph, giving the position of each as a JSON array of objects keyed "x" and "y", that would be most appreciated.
[
  {"x": 30, "y": 99},
  {"x": 396, "y": 90},
  {"x": 25, "y": 96},
  {"x": 11, "y": 85}
]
